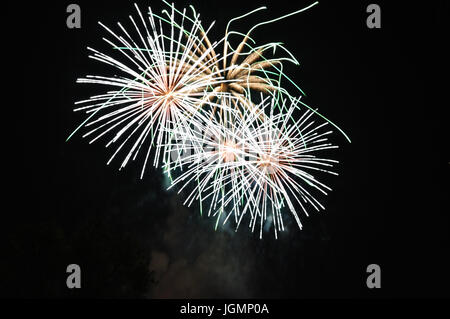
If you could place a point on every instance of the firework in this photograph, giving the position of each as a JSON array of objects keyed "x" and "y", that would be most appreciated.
[
  {"x": 164, "y": 83},
  {"x": 246, "y": 166},
  {"x": 217, "y": 118},
  {"x": 283, "y": 168}
]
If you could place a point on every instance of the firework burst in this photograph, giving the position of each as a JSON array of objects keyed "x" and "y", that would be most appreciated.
[
  {"x": 246, "y": 166},
  {"x": 217, "y": 118},
  {"x": 164, "y": 83}
]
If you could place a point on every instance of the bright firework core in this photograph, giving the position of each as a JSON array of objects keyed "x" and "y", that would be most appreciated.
[
  {"x": 228, "y": 151},
  {"x": 267, "y": 163}
]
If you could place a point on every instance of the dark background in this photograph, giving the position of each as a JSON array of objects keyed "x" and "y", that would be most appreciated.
[{"x": 386, "y": 88}]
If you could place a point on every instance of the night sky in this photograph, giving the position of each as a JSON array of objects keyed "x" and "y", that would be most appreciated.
[{"x": 134, "y": 239}]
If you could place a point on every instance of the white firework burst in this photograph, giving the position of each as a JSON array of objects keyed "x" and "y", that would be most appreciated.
[
  {"x": 254, "y": 167},
  {"x": 283, "y": 168},
  {"x": 164, "y": 84}
]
